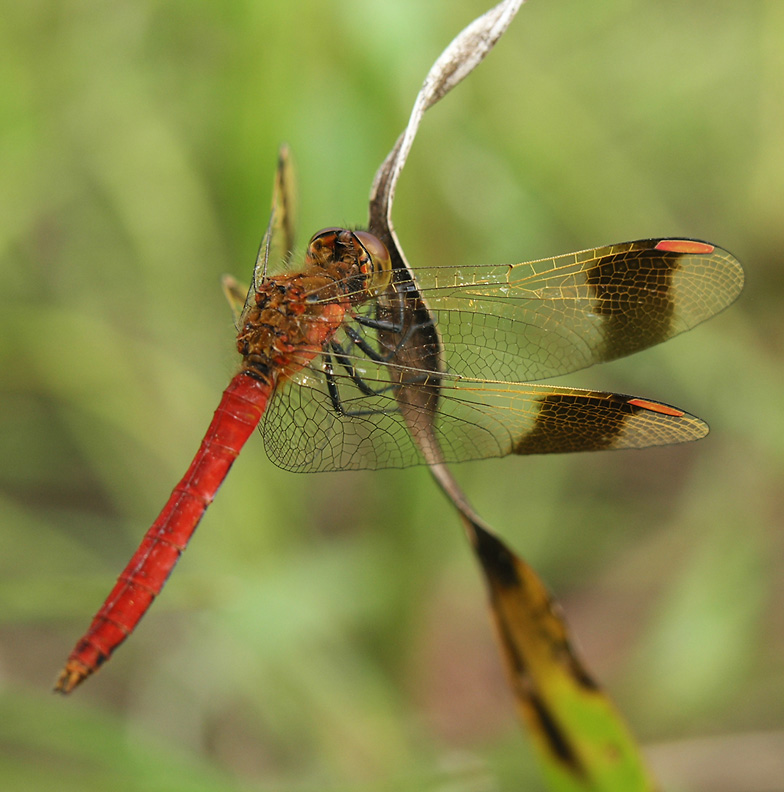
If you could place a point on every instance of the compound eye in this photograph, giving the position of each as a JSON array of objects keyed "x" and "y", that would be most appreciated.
[
  {"x": 323, "y": 247},
  {"x": 330, "y": 231},
  {"x": 380, "y": 262}
]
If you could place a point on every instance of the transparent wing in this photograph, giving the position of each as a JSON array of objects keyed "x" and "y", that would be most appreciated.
[
  {"x": 550, "y": 317},
  {"x": 277, "y": 242},
  {"x": 502, "y": 326},
  {"x": 307, "y": 429}
]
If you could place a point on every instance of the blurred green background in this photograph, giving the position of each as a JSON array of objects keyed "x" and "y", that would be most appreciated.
[{"x": 329, "y": 631}]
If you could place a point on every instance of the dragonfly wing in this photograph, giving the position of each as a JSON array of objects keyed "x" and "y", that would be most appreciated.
[
  {"x": 278, "y": 240},
  {"x": 280, "y": 231},
  {"x": 478, "y": 420},
  {"x": 550, "y": 317},
  {"x": 501, "y": 326},
  {"x": 304, "y": 430},
  {"x": 236, "y": 294}
]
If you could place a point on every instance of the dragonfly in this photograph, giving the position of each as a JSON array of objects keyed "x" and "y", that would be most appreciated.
[{"x": 334, "y": 353}]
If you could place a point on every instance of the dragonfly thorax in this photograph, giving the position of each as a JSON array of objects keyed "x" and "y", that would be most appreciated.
[{"x": 286, "y": 328}]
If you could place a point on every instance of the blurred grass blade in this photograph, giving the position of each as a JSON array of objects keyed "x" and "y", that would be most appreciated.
[{"x": 580, "y": 738}]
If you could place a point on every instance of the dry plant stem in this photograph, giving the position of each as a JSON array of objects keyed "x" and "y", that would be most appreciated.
[
  {"x": 457, "y": 61},
  {"x": 531, "y": 633}
]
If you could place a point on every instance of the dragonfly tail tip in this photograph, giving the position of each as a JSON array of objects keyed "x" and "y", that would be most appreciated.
[{"x": 70, "y": 677}]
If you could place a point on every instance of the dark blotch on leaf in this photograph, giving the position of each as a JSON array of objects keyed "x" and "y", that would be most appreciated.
[{"x": 497, "y": 560}]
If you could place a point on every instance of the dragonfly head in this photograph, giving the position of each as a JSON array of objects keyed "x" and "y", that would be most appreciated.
[{"x": 359, "y": 260}]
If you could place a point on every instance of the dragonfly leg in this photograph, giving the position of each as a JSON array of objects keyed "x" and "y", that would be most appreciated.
[
  {"x": 402, "y": 331},
  {"x": 341, "y": 356},
  {"x": 334, "y": 391},
  {"x": 389, "y": 326},
  {"x": 399, "y": 328},
  {"x": 375, "y": 356}
]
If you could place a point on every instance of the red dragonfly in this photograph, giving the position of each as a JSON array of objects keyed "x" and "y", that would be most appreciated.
[{"x": 331, "y": 355}]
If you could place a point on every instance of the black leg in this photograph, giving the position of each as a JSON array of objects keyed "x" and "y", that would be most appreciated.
[
  {"x": 398, "y": 327},
  {"x": 334, "y": 392},
  {"x": 342, "y": 357}
]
